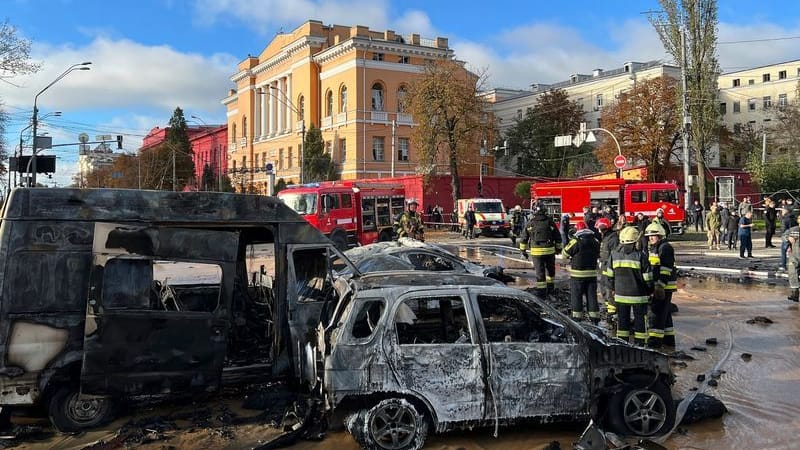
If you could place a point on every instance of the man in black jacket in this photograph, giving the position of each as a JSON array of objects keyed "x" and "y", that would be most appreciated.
[
  {"x": 583, "y": 251},
  {"x": 697, "y": 211},
  {"x": 770, "y": 221}
]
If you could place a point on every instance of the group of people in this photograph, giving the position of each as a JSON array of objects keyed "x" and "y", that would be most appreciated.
[{"x": 636, "y": 276}]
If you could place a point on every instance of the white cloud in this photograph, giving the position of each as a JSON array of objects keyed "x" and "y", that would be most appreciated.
[
  {"x": 744, "y": 55},
  {"x": 127, "y": 74}
]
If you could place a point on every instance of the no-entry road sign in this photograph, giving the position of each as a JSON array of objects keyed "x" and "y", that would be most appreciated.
[{"x": 620, "y": 161}]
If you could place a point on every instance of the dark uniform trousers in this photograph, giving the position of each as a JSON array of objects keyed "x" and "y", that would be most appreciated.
[
  {"x": 544, "y": 268},
  {"x": 578, "y": 288}
]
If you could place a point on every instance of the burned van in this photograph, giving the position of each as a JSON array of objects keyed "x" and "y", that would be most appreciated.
[{"x": 109, "y": 294}]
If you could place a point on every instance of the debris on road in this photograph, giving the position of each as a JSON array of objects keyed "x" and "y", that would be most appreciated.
[{"x": 760, "y": 320}]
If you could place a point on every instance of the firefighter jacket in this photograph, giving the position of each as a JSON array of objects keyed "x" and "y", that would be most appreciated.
[
  {"x": 540, "y": 236},
  {"x": 632, "y": 275},
  {"x": 410, "y": 225},
  {"x": 609, "y": 243},
  {"x": 662, "y": 262},
  {"x": 583, "y": 250}
]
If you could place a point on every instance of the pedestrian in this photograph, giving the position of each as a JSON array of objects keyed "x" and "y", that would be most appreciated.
[
  {"x": 788, "y": 221},
  {"x": 770, "y": 221},
  {"x": 697, "y": 212},
  {"x": 629, "y": 270},
  {"x": 745, "y": 235},
  {"x": 608, "y": 243},
  {"x": 792, "y": 237},
  {"x": 564, "y": 225},
  {"x": 517, "y": 222},
  {"x": 469, "y": 222},
  {"x": 428, "y": 216},
  {"x": 745, "y": 206},
  {"x": 410, "y": 223},
  {"x": 724, "y": 216},
  {"x": 661, "y": 256},
  {"x": 437, "y": 216},
  {"x": 642, "y": 221},
  {"x": 540, "y": 239},
  {"x": 582, "y": 251},
  {"x": 454, "y": 220},
  {"x": 713, "y": 220},
  {"x": 733, "y": 230}
]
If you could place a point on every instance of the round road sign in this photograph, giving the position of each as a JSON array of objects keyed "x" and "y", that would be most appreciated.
[{"x": 620, "y": 161}]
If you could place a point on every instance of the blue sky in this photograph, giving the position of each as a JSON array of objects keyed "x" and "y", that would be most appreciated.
[{"x": 150, "y": 56}]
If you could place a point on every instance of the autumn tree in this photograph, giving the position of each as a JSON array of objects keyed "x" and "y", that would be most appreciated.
[
  {"x": 699, "y": 19},
  {"x": 317, "y": 163},
  {"x": 531, "y": 140},
  {"x": 180, "y": 149},
  {"x": 646, "y": 124},
  {"x": 449, "y": 112}
]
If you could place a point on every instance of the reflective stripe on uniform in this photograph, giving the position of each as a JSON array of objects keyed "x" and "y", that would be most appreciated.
[
  {"x": 671, "y": 286},
  {"x": 631, "y": 299},
  {"x": 648, "y": 276},
  {"x": 669, "y": 331},
  {"x": 542, "y": 251},
  {"x": 639, "y": 335},
  {"x": 582, "y": 273},
  {"x": 594, "y": 314},
  {"x": 541, "y": 284},
  {"x": 665, "y": 271},
  {"x": 654, "y": 259},
  {"x": 623, "y": 333},
  {"x": 611, "y": 308},
  {"x": 523, "y": 246},
  {"x": 609, "y": 272},
  {"x": 628, "y": 264},
  {"x": 577, "y": 314},
  {"x": 654, "y": 333}
]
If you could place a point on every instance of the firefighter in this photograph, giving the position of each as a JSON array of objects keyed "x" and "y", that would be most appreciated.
[
  {"x": 662, "y": 261},
  {"x": 540, "y": 239},
  {"x": 517, "y": 222},
  {"x": 661, "y": 220},
  {"x": 630, "y": 272},
  {"x": 409, "y": 224},
  {"x": 582, "y": 251},
  {"x": 609, "y": 242}
]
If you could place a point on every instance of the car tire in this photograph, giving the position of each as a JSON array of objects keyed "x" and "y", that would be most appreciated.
[
  {"x": 642, "y": 408},
  {"x": 392, "y": 424},
  {"x": 69, "y": 412},
  {"x": 385, "y": 236}
]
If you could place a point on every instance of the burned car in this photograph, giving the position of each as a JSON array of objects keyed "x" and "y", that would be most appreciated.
[
  {"x": 409, "y": 254},
  {"x": 408, "y": 353},
  {"x": 108, "y": 294}
]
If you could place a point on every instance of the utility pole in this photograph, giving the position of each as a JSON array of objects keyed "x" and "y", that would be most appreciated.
[
  {"x": 394, "y": 135},
  {"x": 174, "y": 181},
  {"x": 764, "y": 148},
  {"x": 687, "y": 122}
]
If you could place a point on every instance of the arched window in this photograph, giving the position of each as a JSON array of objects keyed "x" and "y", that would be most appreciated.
[
  {"x": 301, "y": 108},
  {"x": 343, "y": 100},
  {"x": 329, "y": 104},
  {"x": 233, "y": 132},
  {"x": 401, "y": 98},
  {"x": 244, "y": 126},
  {"x": 377, "y": 97}
]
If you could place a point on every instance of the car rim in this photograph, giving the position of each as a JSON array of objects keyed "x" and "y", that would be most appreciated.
[
  {"x": 83, "y": 410},
  {"x": 645, "y": 412},
  {"x": 393, "y": 426}
]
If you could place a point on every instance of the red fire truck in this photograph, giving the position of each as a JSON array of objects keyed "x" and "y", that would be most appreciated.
[
  {"x": 348, "y": 212},
  {"x": 628, "y": 197}
]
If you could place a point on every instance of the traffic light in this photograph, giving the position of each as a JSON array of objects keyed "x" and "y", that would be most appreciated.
[{"x": 119, "y": 142}]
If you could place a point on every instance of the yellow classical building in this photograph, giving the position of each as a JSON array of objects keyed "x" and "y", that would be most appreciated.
[{"x": 346, "y": 81}]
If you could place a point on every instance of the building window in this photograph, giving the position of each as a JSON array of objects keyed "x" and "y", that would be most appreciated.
[
  {"x": 767, "y": 102},
  {"x": 782, "y": 100},
  {"x": 782, "y": 75},
  {"x": 328, "y": 104},
  {"x": 377, "y": 97},
  {"x": 752, "y": 122},
  {"x": 255, "y": 160},
  {"x": 280, "y": 159},
  {"x": 289, "y": 156},
  {"x": 301, "y": 108},
  {"x": 484, "y": 169},
  {"x": 737, "y": 82},
  {"x": 737, "y": 128},
  {"x": 751, "y": 104},
  {"x": 343, "y": 149},
  {"x": 233, "y": 133},
  {"x": 402, "y": 149},
  {"x": 264, "y": 158},
  {"x": 765, "y": 77},
  {"x": 401, "y": 99},
  {"x": 244, "y": 162},
  {"x": 737, "y": 107},
  {"x": 377, "y": 56},
  {"x": 519, "y": 114},
  {"x": 377, "y": 148},
  {"x": 599, "y": 123},
  {"x": 598, "y": 101},
  {"x": 580, "y": 102},
  {"x": 328, "y": 148},
  {"x": 403, "y": 60},
  {"x": 723, "y": 108},
  {"x": 343, "y": 99},
  {"x": 244, "y": 126},
  {"x": 751, "y": 82}
]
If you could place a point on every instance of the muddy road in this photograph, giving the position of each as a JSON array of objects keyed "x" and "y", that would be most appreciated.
[{"x": 759, "y": 373}]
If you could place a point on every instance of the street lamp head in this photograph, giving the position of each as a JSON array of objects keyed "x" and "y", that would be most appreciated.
[{"x": 85, "y": 63}]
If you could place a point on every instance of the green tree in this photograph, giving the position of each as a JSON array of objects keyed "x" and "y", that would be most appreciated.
[
  {"x": 699, "y": 19},
  {"x": 646, "y": 124},
  {"x": 450, "y": 114},
  {"x": 180, "y": 149},
  {"x": 531, "y": 140},
  {"x": 317, "y": 163},
  {"x": 208, "y": 179},
  {"x": 523, "y": 190}
]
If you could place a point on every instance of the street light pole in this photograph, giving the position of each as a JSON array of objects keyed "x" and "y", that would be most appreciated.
[
  {"x": 79, "y": 66},
  {"x": 294, "y": 109}
]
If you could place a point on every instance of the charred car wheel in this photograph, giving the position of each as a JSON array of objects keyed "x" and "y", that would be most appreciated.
[
  {"x": 69, "y": 411},
  {"x": 642, "y": 408},
  {"x": 392, "y": 424}
]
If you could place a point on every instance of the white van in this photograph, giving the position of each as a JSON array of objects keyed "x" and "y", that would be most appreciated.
[{"x": 490, "y": 216}]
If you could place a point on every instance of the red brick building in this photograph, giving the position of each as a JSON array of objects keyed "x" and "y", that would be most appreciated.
[{"x": 209, "y": 145}]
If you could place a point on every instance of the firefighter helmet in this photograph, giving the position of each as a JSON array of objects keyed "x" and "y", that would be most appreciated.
[
  {"x": 660, "y": 210},
  {"x": 603, "y": 223},
  {"x": 412, "y": 201},
  {"x": 580, "y": 226},
  {"x": 517, "y": 208},
  {"x": 628, "y": 235},
  {"x": 654, "y": 229}
]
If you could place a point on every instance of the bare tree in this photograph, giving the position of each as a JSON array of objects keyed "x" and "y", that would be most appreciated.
[
  {"x": 15, "y": 53},
  {"x": 699, "y": 19}
]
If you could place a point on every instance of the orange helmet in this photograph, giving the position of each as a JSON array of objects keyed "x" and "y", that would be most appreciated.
[
  {"x": 603, "y": 222},
  {"x": 580, "y": 226}
]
